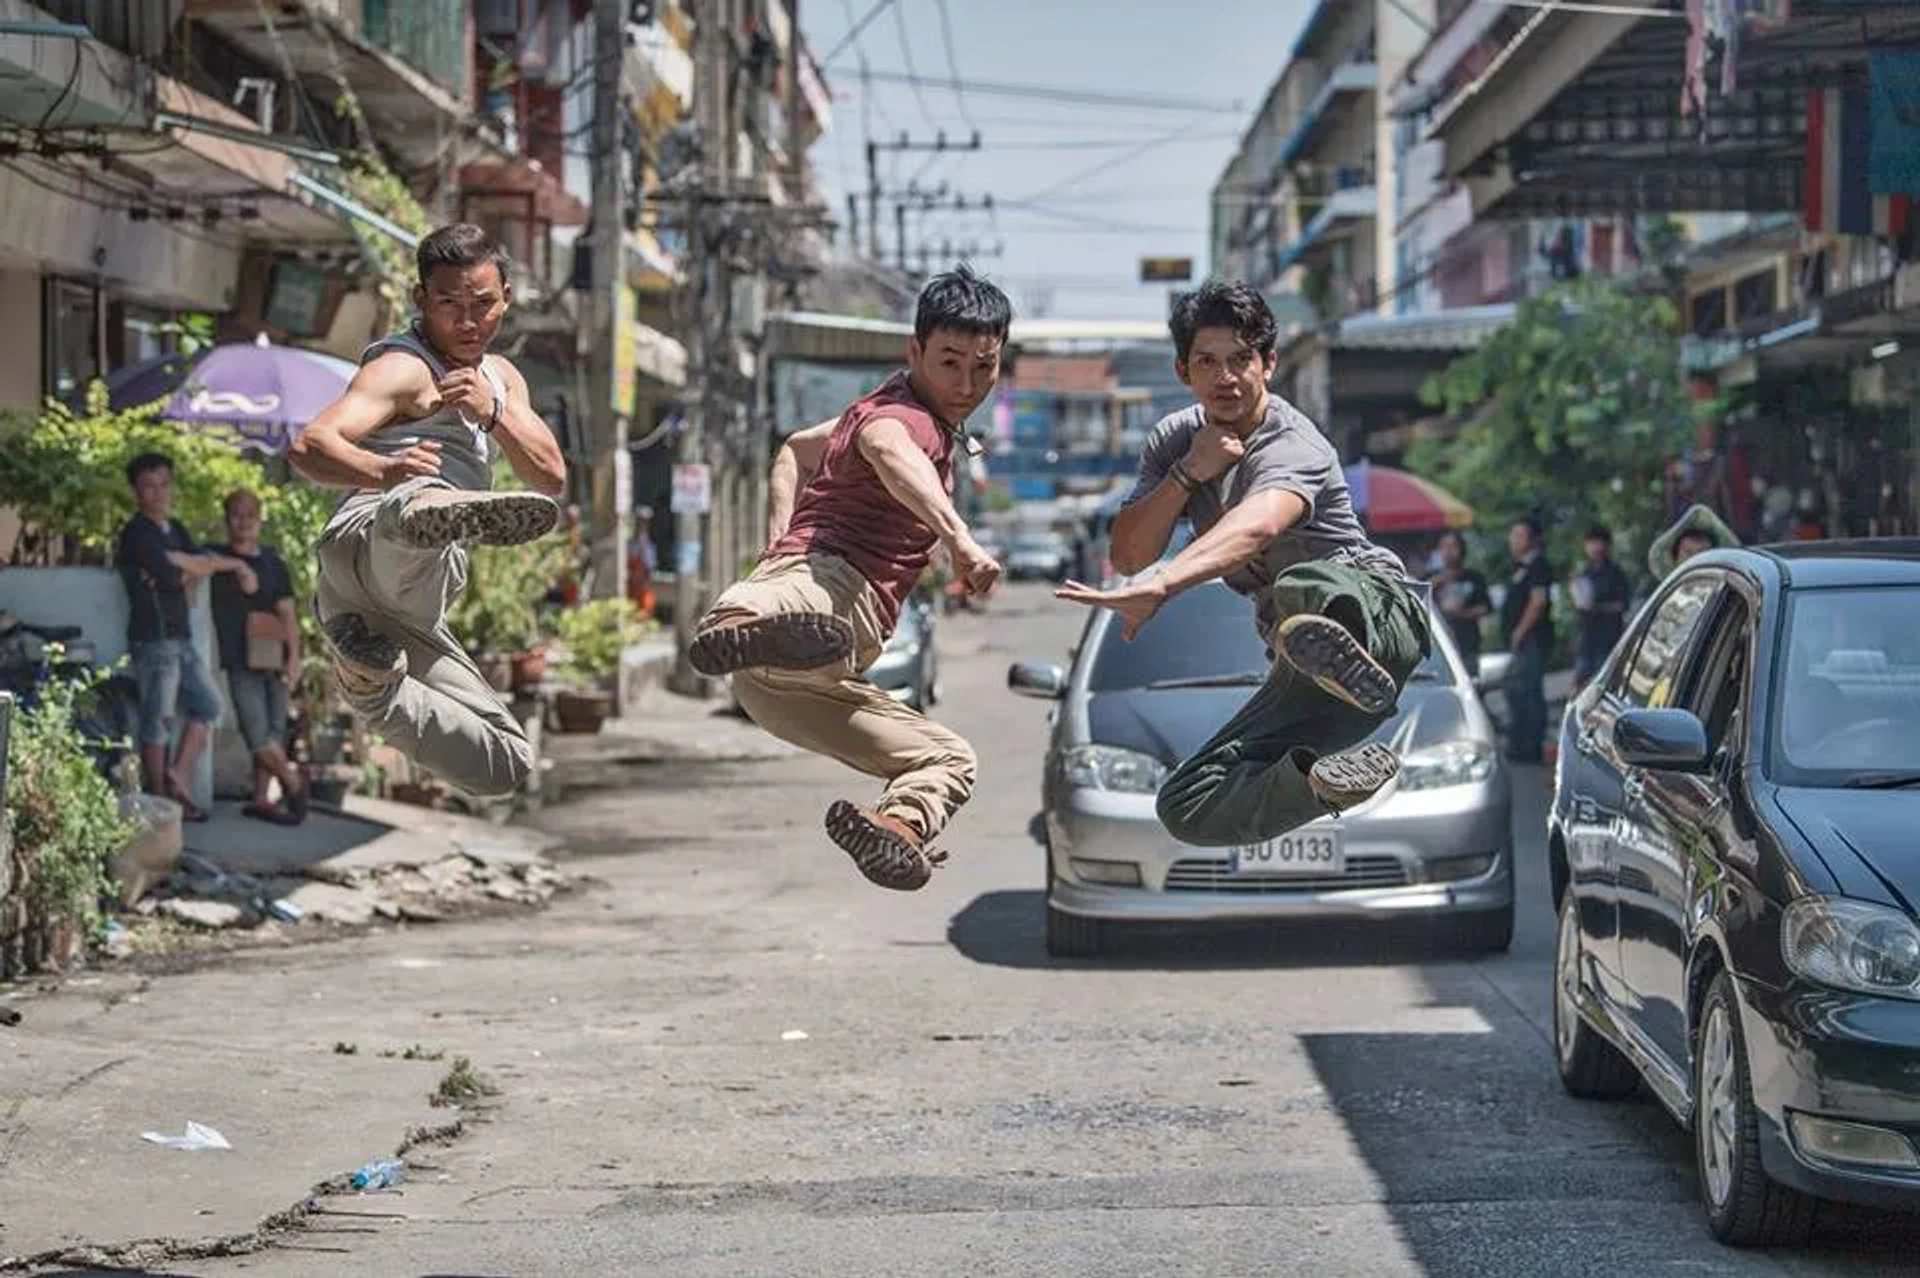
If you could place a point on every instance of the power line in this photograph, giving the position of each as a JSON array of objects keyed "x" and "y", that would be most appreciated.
[
  {"x": 953, "y": 64},
  {"x": 1049, "y": 93},
  {"x": 906, "y": 56},
  {"x": 1104, "y": 166},
  {"x": 853, "y": 32},
  {"x": 1104, "y": 144}
]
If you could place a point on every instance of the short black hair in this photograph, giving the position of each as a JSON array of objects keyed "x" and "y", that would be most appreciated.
[
  {"x": 461, "y": 244},
  {"x": 1696, "y": 534},
  {"x": 1600, "y": 532},
  {"x": 1453, "y": 535},
  {"x": 1535, "y": 529},
  {"x": 146, "y": 462},
  {"x": 1236, "y": 306},
  {"x": 961, "y": 300}
]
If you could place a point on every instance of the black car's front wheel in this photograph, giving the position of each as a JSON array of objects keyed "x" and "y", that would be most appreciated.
[
  {"x": 1590, "y": 1067},
  {"x": 1745, "y": 1207}
]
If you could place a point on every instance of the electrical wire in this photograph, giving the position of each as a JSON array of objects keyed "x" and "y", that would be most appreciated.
[
  {"x": 1052, "y": 93},
  {"x": 906, "y": 56},
  {"x": 854, "y": 29},
  {"x": 953, "y": 63}
]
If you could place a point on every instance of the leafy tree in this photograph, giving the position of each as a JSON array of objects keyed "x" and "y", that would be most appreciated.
[{"x": 1572, "y": 411}]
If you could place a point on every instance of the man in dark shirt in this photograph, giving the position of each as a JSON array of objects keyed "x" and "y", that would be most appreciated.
[
  {"x": 158, "y": 561},
  {"x": 1462, "y": 597},
  {"x": 1526, "y": 619},
  {"x": 259, "y": 641},
  {"x": 1601, "y": 593}
]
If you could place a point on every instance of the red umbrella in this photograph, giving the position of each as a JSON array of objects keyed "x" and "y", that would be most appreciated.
[{"x": 1393, "y": 501}]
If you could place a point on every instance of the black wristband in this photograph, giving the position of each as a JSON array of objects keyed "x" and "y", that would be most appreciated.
[
  {"x": 1182, "y": 478},
  {"x": 498, "y": 406}
]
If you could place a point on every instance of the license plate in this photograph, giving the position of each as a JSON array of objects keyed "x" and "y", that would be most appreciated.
[{"x": 1315, "y": 852}]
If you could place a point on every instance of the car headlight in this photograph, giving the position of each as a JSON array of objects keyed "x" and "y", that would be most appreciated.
[
  {"x": 1098, "y": 767},
  {"x": 1852, "y": 945},
  {"x": 1452, "y": 763}
]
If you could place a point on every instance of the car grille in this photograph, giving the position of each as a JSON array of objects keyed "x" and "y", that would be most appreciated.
[{"x": 1209, "y": 875}]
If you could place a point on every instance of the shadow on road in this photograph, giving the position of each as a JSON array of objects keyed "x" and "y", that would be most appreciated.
[{"x": 1008, "y": 929}]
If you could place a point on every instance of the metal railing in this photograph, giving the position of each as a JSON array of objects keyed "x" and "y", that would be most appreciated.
[{"x": 429, "y": 34}]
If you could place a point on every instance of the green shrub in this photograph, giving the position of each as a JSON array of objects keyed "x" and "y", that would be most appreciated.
[
  {"x": 64, "y": 814},
  {"x": 595, "y": 633}
]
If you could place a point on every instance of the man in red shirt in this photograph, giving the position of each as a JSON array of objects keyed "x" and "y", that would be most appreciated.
[{"x": 874, "y": 498}]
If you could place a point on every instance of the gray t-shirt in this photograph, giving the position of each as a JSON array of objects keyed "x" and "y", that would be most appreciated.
[{"x": 1287, "y": 453}]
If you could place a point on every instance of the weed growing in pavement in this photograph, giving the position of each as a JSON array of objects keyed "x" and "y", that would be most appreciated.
[
  {"x": 462, "y": 1085},
  {"x": 346, "y": 1049},
  {"x": 414, "y": 1053}
]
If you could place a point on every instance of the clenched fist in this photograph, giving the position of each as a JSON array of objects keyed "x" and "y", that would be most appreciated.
[
  {"x": 974, "y": 566},
  {"x": 1213, "y": 452}
]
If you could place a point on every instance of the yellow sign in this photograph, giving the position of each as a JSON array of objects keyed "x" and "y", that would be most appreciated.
[
  {"x": 1168, "y": 270},
  {"x": 625, "y": 357}
]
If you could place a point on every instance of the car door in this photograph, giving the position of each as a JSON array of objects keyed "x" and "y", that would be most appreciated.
[
  {"x": 1650, "y": 853},
  {"x": 1689, "y": 842}
]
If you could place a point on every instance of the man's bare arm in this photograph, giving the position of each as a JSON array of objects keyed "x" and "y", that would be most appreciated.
[
  {"x": 1242, "y": 533},
  {"x": 327, "y": 452},
  {"x": 909, "y": 476},
  {"x": 1143, "y": 528},
  {"x": 793, "y": 467},
  {"x": 1535, "y": 609},
  {"x": 527, "y": 440}
]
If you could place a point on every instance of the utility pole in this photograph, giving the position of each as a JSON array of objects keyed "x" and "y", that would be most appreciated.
[
  {"x": 708, "y": 343},
  {"x": 903, "y": 143},
  {"x": 604, "y": 423}
]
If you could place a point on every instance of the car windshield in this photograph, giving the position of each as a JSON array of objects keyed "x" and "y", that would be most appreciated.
[
  {"x": 1042, "y": 543},
  {"x": 1848, "y": 691},
  {"x": 1204, "y": 635}
]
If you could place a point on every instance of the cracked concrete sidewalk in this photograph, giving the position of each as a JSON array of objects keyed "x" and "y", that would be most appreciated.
[{"x": 97, "y": 1063}]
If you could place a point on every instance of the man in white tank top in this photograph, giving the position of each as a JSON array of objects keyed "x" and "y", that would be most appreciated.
[{"x": 411, "y": 441}]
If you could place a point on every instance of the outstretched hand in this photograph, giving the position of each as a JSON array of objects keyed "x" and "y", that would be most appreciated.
[{"x": 1136, "y": 602}]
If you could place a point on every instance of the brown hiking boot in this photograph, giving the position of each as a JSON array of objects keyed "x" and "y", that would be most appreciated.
[
  {"x": 1348, "y": 779},
  {"x": 788, "y": 641},
  {"x": 366, "y": 663},
  {"x": 1326, "y": 652},
  {"x": 885, "y": 850},
  {"x": 443, "y": 516}
]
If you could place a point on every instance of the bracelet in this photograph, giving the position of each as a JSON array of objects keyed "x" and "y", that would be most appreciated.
[
  {"x": 494, "y": 420},
  {"x": 1182, "y": 478}
]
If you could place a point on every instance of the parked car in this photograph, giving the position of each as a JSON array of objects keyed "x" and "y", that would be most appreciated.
[
  {"x": 1039, "y": 556},
  {"x": 1438, "y": 845},
  {"x": 909, "y": 666},
  {"x": 1735, "y": 870}
]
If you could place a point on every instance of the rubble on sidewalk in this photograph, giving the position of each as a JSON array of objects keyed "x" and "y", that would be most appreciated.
[{"x": 374, "y": 861}]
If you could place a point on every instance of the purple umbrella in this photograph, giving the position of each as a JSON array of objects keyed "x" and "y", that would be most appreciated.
[{"x": 266, "y": 393}]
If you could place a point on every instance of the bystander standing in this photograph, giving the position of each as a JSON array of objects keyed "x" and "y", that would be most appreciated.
[
  {"x": 1601, "y": 593},
  {"x": 1462, "y": 596},
  {"x": 259, "y": 643},
  {"x": 1526, "y": 621}
]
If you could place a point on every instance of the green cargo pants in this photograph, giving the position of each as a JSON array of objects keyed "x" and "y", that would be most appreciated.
[{"x": 1249, "y": 783}]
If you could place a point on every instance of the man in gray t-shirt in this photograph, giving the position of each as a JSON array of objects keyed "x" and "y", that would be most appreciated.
[{"x": 1272, "y": 518}]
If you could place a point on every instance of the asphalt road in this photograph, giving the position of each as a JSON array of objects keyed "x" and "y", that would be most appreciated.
[{"x": 735, "y": 1058}]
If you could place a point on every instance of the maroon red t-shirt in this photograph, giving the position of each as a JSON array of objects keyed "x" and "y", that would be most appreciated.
[{"x": 845, "y": 510}]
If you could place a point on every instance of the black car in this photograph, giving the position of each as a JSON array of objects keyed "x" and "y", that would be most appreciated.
[{"x": 1735, "y": 853}]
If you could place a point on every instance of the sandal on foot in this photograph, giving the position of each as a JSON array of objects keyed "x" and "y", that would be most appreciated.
[
  {"x": 188, "y": 812},
  {"x": 1326, "y": 652},
  {"x": 270, "y": 814},
  {"x": 790, "y": 641},
  {"x": 889, "y": 857},
  {"x": 1350, "y": 778}
]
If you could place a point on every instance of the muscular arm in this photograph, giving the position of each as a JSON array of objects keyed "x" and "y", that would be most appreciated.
[
  {"x": 197, "y": 565},
  {"x": 794, "y": 465},
  {"x": 1143, "y": 528},
  {"x": 909, "y": 476},
  {"x": 526, "y": 439},
  {"x": 328, "y": 452},
  {"x": 1236, "y": 540}
]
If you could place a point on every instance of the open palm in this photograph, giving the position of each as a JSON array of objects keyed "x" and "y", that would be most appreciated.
[{"x": 1136, "y": 602}]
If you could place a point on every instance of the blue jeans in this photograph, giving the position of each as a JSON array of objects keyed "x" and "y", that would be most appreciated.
[
  {"x": 168, "y": 672},
  {"x": 1527, "y": 702}
]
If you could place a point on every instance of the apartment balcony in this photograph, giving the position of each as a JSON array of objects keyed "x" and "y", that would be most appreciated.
[
  {"x": 409, "y": 61},
  {"x": 1340, "y": 216},
  {"x": 658, "y": 70},
  {"x": 1348, "y": 81}
]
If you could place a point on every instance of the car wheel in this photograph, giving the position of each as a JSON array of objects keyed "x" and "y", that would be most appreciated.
[
  {"x": 1483, "y": 931},
  {"x": 1590, "y": 1066},
  {"x": 1745, "y": 1206}
]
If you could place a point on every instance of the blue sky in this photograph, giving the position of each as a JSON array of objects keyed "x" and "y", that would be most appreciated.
[{"x": 1073, "y": 251}]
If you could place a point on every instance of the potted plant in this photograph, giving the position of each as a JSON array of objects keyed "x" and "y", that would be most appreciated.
[
  {"x": 592, "y": 637},
  {"x": 497, "y": 616}
]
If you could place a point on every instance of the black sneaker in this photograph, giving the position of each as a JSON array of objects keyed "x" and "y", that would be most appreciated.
[
  {"x": 1348, "y": 779},
  {"x": 366, "y": 663},
  {"x": 1327, "y": 653},
  {"x": 787, "y": 641},
  {"x": 443, "y": 516}
]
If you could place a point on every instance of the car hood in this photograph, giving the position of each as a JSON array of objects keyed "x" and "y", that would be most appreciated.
[
  {"x": 1873, "y": 828},
  {"x": 1173, "y": 723}
]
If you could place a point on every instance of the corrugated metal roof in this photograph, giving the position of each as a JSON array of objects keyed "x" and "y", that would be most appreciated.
[{"x": 1461, "y": 328}]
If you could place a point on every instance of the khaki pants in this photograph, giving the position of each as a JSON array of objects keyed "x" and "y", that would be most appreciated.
[
  {"x": 443, "y": 715},
  {"x": 832, "y": 710}
]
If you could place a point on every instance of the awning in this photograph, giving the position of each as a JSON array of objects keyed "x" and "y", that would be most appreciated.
[{"x": 1459, "y": 329}]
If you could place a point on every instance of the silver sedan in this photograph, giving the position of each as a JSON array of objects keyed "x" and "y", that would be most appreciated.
[{"x": 1438, "y": 844}]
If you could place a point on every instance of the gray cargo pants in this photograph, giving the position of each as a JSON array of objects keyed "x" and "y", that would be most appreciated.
[{"x": 443, "y": 715}]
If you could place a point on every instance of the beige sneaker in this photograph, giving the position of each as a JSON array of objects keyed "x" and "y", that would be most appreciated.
[
  {"x": 442, "y": 516},
  {"x": 1350, "y": 778},
  {"x": 1327, "y": 653}
]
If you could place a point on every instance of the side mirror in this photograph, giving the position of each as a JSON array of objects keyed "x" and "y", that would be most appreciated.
[
  {"x": 1667, "y": 740},
  {"x": 1494, "y": 669},
  {"x": 1029, "y": 679}
]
